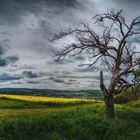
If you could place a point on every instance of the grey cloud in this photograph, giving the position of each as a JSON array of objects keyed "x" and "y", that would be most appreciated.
[
  {"x": 92, "y": 85},
  {"x": 3, "y": 62},
  {"x": 17, "y": 82},
  {"x": 26, "y": 67},
  {"x": 74, "y": 77},
  {"x": 4, "y": 59},
  {"x": 80, "y": 57},
  {"x": 71, "y": 83},
  {"x": 66, "y": 61},
  {"x": 127, "y": 1},
  {"x": 8, "y": 77},
  {"x": 8, "y": 60},
  {"x": 136, "y": 40},
  {"x": 12, "y": 59},
  {"x": 29, "y": 74},
  {"x": 51, "y": 78},
  {"x": 88, "y": 69},
  {"x": 130, "y": 7},
  {"x": 68, "y": 83},
  {"x": 65, "y": 72},
  {"x": 33, "y": 82},
  {"x": 42, "y": 74},
  {"x": 57, "y": 73},
  {"x": 57, "y": 80},
  {"x": 2, "y": 50},
  {"x": 72, "y": 80}
]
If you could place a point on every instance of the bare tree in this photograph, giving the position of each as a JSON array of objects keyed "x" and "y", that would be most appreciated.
[{"x": 111, "y": 42}]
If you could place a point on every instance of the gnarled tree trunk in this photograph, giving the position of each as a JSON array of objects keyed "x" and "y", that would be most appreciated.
[{"x": 108, "y": 98}]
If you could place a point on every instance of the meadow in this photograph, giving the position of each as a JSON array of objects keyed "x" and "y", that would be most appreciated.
[{"x": 47, "y": 118}]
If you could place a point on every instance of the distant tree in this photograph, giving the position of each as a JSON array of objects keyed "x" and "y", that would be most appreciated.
[{"x": 110, "y": 39}]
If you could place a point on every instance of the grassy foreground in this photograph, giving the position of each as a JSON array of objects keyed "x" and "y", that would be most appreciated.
[{"x": 84, "y": 121}]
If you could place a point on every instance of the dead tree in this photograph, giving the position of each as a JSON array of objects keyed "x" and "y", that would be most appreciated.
[{"x": 110, "y": 38}]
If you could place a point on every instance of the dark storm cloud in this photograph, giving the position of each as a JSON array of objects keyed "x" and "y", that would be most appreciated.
[
  {"x": 67, "y": 3},
  {"x": 11, "y": 11},
  {"x": 8, "y": 77}
]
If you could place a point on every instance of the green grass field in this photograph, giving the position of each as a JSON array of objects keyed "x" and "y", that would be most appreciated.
[{"x": 43, "y": 118}]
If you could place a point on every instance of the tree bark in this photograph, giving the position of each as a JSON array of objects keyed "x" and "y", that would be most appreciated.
[
  {"x": 109, "y": 102},
  {"x": 108, "y": 98}
]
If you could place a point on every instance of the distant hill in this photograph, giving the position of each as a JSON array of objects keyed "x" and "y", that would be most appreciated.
[{"x": 52, "y": 92}]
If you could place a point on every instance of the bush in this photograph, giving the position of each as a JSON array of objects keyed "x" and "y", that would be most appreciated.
[{"x": 127, "y": 96}]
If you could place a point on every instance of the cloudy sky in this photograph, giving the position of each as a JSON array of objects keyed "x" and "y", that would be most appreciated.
[{"x": 26, "y": 59}]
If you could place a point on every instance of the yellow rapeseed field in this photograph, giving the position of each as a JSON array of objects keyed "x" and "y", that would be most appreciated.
[
  {"x": 40, "y": 99},
  {"x": 47, "y": 99}
]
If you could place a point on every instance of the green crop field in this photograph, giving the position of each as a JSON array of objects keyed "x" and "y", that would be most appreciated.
[{"x": 47, "y": 118}]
